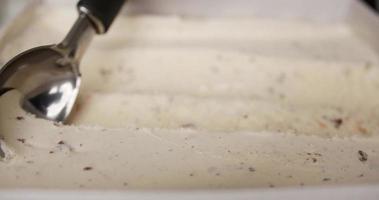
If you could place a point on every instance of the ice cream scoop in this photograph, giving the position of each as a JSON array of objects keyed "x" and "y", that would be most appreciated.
[{"x": 48, "y": 76}]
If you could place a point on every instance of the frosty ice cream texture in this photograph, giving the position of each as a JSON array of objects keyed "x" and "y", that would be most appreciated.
[{"x": 170, "y": 102}]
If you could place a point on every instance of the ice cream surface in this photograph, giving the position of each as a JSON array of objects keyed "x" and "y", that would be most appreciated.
[{"x": 178, "y": 102}]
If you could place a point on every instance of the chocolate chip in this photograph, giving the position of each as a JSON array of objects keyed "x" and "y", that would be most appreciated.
[
  {"x": 22, "y": 140},
  {"x": 20, "y": 118},
  {"x": 362, "y": 156},
  {"x": 337, "y": 122},
  {"x": 87, "y": 168},
  {"x": 251, "y": 169},
  {"x": 189, "y": 126}
]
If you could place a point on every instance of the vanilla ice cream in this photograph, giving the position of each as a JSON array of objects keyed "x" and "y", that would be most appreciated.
[{"x": 174, "y": 102}]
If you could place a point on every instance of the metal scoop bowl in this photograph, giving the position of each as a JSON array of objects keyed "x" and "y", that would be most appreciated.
[{"x": 48, "y": 76}]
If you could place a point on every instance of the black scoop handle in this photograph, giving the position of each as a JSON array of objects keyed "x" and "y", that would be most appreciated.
[{"x": 102, "y": 11}]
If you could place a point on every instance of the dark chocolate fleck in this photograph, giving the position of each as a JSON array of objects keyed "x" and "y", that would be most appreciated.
[
  {"x": 326, "y": 179},
  {"x": 22, "y": 140},
  {"x": 20, "y": 118},
  {"x": 61, "y": 142},
  {"x": 188, "y": 125},
  {"x": 337, "y": 122},
  {"x": 251, "y": 169},
  {"x": 362, "y": 156},
  {"x": 87, "y": 168}
]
